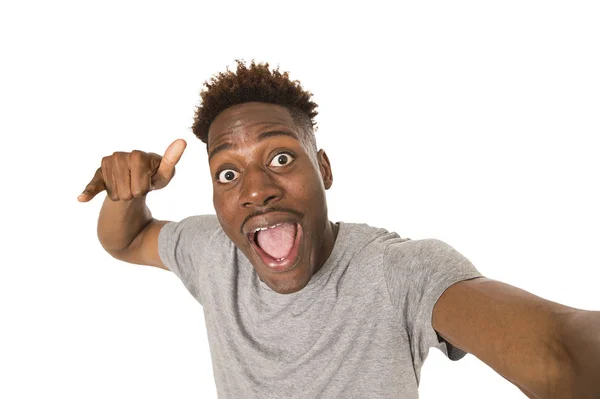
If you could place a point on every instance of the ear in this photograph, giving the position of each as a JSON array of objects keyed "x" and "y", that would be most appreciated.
[{"x": 325, "y": 168}]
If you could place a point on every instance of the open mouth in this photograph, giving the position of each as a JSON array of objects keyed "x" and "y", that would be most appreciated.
[{"x": 277, "y": 245}]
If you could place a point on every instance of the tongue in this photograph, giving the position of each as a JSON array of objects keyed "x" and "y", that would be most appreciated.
[{"x": 277, "y": 241}]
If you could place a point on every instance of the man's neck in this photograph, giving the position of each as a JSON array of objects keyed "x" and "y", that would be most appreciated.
[{"x": 329, "y": 238}]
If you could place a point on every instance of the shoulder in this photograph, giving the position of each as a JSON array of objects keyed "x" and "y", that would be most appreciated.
[
  {"x": 196, "y": 227},
  {"x": 371, "y": 238},
  {"x": 428, "y": 258},
  {"x": 366, "y": 243},
  {"x": 369, "y": 234},
  {"x": 421, "y": 250},
  {"x": 395, "y": 248},
  {"x": 197, "y": 222}
]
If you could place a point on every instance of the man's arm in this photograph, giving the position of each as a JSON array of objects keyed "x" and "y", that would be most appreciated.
[
  {"x": 126, "y": 228},
  {"x": 128, "y": 232},
  {"x": 546, "y": 349}
]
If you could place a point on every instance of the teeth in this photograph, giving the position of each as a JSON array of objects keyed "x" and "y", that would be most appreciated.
[{"x": 265, "y": 228}]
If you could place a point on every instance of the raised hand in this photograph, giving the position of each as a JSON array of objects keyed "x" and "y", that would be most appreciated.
[{"x": 129, "y": 175}]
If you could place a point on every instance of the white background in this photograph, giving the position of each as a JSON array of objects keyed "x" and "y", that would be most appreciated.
[{"x": 472, "y": 122}]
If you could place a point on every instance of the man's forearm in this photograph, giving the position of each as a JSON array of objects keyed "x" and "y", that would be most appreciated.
[
  {"x": 121, "y": 221},
  {"x": 581, "y": 339}
]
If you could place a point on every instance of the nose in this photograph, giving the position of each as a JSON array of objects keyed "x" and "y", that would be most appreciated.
[{"x": 258, "y": 188}]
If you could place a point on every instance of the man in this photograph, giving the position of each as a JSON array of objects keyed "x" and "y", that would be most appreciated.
[{"x": 298, "y": 306}]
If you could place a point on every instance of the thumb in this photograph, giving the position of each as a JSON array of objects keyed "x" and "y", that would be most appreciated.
[{"x": 172, "y": 155}]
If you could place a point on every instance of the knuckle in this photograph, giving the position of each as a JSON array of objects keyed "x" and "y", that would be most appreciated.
[
  {"x": 137, "y": 157},
  {"x": 137, "y": 154},
  {"x": 120, "y": 157}
]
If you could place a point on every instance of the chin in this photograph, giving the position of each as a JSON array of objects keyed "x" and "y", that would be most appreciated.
[
  {"x": 285, "y": 269},
  {"x": 296, "y": 277}
]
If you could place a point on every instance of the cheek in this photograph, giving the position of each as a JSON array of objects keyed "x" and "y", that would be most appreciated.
[
  {"x": 224, "y": 209},
  {"x": 315, "y": 185},
  {"x": 223, "y": 199},
  {"x": 307, "y": 187}
]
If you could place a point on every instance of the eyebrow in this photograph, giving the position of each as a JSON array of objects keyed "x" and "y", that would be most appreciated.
[
  {"x": 222, "y": 147},
  {"x": 262, "y": 136}
]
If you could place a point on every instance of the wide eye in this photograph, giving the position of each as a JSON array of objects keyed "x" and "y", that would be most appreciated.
[
  {"x": 281, "y": 159},
  {"x": 227, "y": 176}
]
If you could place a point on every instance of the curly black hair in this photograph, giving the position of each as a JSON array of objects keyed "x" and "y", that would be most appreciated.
[{"x": 255, "y": 83}]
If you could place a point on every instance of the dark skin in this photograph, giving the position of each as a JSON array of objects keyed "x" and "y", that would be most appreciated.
[
  {"x": 546, "y": 349},
  {"x": 266, "y": 170},
  {"x": 261, "y": 161}
]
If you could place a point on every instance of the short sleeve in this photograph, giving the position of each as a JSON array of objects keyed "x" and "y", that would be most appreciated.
[
  {"x": 417, "y": 273},
  {"x": 180, "y": 245}
]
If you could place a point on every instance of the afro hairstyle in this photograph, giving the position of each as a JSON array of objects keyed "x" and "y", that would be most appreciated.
[{"x": 255, "y": 83}]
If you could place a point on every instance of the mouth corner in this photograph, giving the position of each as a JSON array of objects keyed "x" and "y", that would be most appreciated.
[{"x": 251, "y": 237}]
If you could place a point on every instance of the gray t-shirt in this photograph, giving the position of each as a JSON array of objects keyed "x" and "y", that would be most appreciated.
[{"x": 361, "y": 328}]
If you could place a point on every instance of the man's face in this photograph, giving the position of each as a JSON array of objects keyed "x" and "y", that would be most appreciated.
[{"x": 269, "y": 192}]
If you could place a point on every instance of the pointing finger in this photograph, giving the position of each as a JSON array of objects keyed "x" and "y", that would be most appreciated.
[{"x": 94, "y": 187}]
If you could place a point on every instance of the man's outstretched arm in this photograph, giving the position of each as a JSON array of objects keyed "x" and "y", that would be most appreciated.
[{"x": 546, "y": 349}]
